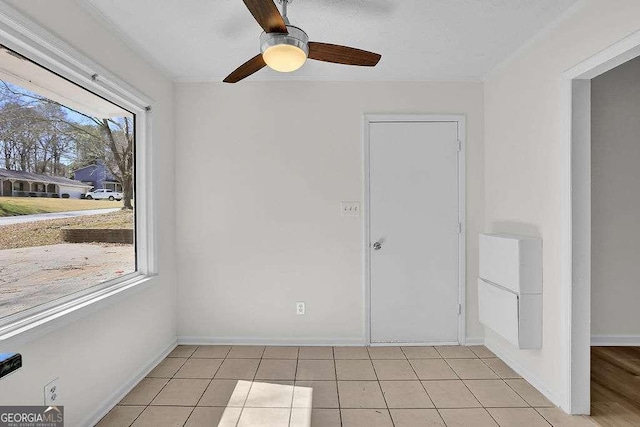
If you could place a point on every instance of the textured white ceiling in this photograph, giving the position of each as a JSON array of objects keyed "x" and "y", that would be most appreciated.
[{"x": 204, "y": 40}]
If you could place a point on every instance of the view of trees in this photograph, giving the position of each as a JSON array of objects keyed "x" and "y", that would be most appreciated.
[{"x": 42, "y": 136}]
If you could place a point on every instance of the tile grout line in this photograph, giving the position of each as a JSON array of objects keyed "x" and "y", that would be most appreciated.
[
  {"x": 380, "y": 385},
  {"x": 506, "y": 383},
  {"x": 156, "y": 395},
  {"x": 203, "y": 392},
  {"x": 516, "y": 392},
  {"x": 467, "y": 387},
  {"x": 495, "y": 371},
  {"x": 423, "y": 387},
  {"x": 205, "y": 389},
  {"x": 134, "y": 420},
  {"x": 335, "y": 369},
  {"x": 208, "y": 385},
  {"x": 497, "y": 377},
  {"x": 511, "y": 407},
  {"x": 251, "y": 385},
  {"x": 451, "y": 367},
  {"x": 163, "y": 387},
  {"x": 483, "y": 407},
  {"x": 295, "y": 374},
  {"x": 545, "y": 418},
  {"x": 169, "y": 380}
]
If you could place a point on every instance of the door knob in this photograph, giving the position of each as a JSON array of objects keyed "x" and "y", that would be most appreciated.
[{"x": 377, "y": 246}]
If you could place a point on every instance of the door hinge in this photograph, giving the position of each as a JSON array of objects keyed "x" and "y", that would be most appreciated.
[
  {"x": 459, "y": 228},
  {"x": 459, "y": 146},
  {"x": 459, "y": 309}
]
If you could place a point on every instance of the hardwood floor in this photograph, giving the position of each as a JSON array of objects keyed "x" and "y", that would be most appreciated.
[{"x": 615, "y": 386}]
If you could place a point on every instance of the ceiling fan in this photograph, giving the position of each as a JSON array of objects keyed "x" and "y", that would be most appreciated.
[{"x": 285, "y": 47}]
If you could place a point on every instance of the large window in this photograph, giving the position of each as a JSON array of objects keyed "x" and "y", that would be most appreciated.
[{"x": 74, "y": 217}]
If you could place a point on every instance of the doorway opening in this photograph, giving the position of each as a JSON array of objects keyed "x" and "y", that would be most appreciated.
[{"x": 596, "y": 217}]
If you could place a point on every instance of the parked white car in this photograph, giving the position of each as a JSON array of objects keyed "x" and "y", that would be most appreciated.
[{"x": 104, "y": 194}]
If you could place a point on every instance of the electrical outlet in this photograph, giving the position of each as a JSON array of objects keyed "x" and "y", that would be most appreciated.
[
  {"x": 350, "y": 208},
  {"x": 52, "y": 393},
  {"x": 301, "y": 307}
]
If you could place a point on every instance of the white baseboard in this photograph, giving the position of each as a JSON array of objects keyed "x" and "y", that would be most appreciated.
[
  {"x": 116, "y": 397},
  {"x": 615, "y": 340},
  {"x": 290, "y": 341},
  {"x": 474, "y": 341},
  {"x": 412, "y": 344},
  {"x": 533, "y": 379},
  {"x": 301, "y": 342}
]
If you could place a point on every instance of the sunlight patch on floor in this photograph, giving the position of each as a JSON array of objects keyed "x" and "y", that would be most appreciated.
[{"x": 259, "y": 403}]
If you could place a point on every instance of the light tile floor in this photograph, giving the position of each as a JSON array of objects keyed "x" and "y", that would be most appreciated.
[{"x": 335, "y": 387}]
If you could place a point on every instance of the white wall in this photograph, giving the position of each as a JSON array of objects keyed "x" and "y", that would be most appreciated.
[
  {"x": 615, "y": 179},
  {"x": 526, "y": 164},
  {"x": 262, "y": 227},
  {"x": 98, "y": 354}
]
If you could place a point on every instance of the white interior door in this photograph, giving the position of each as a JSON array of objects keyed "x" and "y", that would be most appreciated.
[{"x": 413, "y": 230}]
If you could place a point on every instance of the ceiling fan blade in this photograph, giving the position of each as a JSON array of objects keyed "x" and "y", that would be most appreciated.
[
  {"x": 267, "y": 14},
  {"x": 342, "y": 54},
  {"x": 245, "y": 70}
]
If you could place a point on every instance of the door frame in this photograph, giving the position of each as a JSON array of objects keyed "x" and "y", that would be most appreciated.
[
  {"x": 576, "y": 216},
  {"x": 460, "y": 121}
]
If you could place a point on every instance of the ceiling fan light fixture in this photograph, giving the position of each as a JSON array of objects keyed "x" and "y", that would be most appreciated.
[
  {"x": 285, "y": 52},
  {"x": 284, "y": 58}
]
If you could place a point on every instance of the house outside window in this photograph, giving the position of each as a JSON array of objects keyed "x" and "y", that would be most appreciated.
[{"x": 98, "y": 176}]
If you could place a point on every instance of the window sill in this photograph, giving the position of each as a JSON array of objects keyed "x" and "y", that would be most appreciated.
[{"x": 32, "y": 326}]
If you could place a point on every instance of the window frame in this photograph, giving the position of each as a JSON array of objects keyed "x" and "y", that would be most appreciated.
[{"x": 27, "y": 38}]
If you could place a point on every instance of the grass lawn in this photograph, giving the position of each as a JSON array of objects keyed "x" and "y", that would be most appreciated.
[
  {"x": 42, "y": 233},
  {"x": 11, "y": 206}
]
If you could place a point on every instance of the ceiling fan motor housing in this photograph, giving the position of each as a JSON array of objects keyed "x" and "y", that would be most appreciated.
[{"x": 296, "y": 37}]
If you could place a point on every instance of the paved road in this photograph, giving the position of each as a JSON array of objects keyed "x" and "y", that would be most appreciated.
[{"x": 19, "y": 219}]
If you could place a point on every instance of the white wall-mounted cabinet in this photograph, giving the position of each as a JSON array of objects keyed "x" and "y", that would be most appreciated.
[
  {"x": 513, "y": 262},
  {"x": 510, "y": 288}
]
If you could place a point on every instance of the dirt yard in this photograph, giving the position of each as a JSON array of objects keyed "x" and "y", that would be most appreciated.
[{"x": 32, "y": 276}]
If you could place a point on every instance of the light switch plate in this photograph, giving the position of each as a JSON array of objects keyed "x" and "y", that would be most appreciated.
[{"x": 350, "y": 208}]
